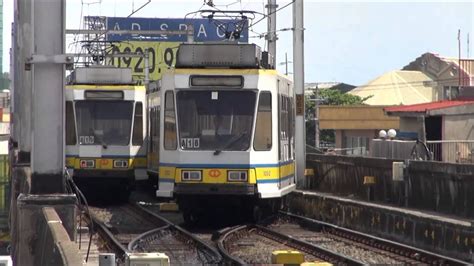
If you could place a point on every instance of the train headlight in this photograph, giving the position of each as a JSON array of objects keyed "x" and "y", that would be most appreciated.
[
  {"x": 87, "y": 163},
  {"x": 191, "y": 175},
  {"x": 237, "y": 176},
  {"x": 120, "y": 164}
]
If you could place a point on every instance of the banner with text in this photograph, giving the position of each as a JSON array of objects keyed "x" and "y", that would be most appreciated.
[{"x": 205, "y": 30}]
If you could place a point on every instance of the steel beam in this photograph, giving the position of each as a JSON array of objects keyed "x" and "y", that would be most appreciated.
[
  {"x": 298, "y": 70},
  {"x": 48, "y": 96},
  {"x": 22, "y": 47}
]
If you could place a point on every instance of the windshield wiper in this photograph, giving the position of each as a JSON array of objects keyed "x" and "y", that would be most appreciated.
[
  {"x": 101, "y": 141},
  {"x": 229, "y": 144}
]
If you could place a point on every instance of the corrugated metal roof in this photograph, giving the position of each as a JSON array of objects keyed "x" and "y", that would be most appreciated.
[
  {"x": 424, "y": 107},
  {"x": 397, "y": 87}
]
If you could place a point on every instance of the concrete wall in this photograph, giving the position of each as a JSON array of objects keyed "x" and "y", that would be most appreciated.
[
  {"x": 432, "y": 186},
  {"x": 58, "y": 248},
  {"x": 439, "y": 235},
  {"x": 33, "y": 240},
  {"x": 459, "y": 127},
  {"x": 355, "y": 117},
  {"x": 411, "y": 124}
]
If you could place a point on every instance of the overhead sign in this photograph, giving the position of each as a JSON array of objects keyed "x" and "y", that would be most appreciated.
[
  {"x": 162, "y": 55},
  {"x": 204, "y": 29}
]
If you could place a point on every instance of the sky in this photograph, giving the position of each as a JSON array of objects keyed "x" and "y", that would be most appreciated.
[{"x": 345, "y": 41}]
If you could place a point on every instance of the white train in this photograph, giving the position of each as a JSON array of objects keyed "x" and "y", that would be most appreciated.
[
  {"x": 222, "y": 130},
  {"x": 105, "y": 129}
]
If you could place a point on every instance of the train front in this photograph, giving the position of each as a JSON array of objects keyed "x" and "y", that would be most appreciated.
[
  {"x": 105, "y": 131},
  {"x": 220, "y": 142}
]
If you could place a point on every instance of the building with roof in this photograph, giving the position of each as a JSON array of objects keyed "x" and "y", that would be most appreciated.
[
  {"x": 425, "y": 84},
  {"x": 355, "y": 125},
  {"x": 398, "y": 87},
  {"x": 447, "y": 123},
  {"x": 441, "y": 120},
  {"x": 448, "y": 74},
  {"x": 428, "y": 78}
]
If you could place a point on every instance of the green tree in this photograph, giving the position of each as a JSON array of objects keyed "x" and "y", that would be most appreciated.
[{"x": 326, "y": 97}]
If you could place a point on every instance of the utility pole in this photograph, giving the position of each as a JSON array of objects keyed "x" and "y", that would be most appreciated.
[
  {"x": 285, "y": 63},
  {"x": 271, "y": 34},
  {"x": 298, "y": 70}
]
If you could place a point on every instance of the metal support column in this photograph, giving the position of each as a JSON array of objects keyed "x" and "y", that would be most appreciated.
[
  {"x": 271, "y": 34},
  {"x": 39, "y": 57},
  {"x": 298, "y": 70},
  {"x": 48, "y": 97},
  {"x": 22, "y": 48}
]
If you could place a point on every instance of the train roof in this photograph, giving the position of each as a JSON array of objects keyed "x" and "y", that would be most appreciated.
[
  {"x": 101, "y": 75},
  {"x": 221, "y": 55}
]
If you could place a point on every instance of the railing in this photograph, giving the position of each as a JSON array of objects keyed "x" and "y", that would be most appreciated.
[
  {"x": 450, "y": 151},
  {"x": 453, "y": 151},
  {"x": 360, "y": 151}
]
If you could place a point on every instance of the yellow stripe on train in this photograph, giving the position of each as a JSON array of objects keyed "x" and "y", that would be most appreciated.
[
  {"x": 106, "y": 163},
  {"x": 220, "y": 175}
]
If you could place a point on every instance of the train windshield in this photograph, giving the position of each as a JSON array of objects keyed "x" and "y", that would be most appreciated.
[
  {"x": 104, "y": 122},
  {"x": 215, "y": 120}
]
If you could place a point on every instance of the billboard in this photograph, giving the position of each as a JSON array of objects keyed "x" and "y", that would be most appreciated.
[
  {"x": 162, "y": 48},
  {"x": 162, "y": 55},
  {"x": 205, "y": 30}
]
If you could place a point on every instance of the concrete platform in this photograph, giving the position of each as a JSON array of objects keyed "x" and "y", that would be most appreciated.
[{"x": 444, "y": 235}]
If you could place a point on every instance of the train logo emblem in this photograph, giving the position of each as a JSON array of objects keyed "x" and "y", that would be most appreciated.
[{"x": 214, "y": 173}]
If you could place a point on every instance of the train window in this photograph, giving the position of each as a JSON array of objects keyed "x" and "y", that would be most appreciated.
[
  {"x": 170, "y": 122},
  {"x": 137, "y": 137},
  {"x": 217, "y": 81},
  {"x": 71, "y": 138},
  {"x": 103, "y": 95},
  {"x": 221, "y": 124},
  {"x": 263, "y": 127},
  {"x": 104, "y": 122},
  {"x": 290, "y": 126}
]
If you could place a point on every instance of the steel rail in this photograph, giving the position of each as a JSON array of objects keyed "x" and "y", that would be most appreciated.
[
  {"x": 112, "y": 242},
  {"x": 309, "y": 248},
  {"x": 201, "y": 244},
  {"x": 399, "y": 249}
]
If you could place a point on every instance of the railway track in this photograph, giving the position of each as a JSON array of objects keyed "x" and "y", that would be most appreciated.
[
  {"x": 362, "y": 247},
  {"x": 132, "y": 229},
  {"x": 136, "y": 229},
  {"x": 319, "y": 242},
  {"x": 253, "y": 244}
]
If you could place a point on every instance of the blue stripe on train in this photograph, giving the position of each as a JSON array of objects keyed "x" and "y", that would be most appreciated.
[
  {"x": 231, "y": 166},
  {"x": 275, "y": 180},
  {"x": 107, "y": 156}
]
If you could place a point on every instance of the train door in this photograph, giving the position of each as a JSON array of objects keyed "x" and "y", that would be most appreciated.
[{"x": 284, "y": 129}]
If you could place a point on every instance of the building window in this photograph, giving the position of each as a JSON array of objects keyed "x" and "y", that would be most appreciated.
[{"x": 450, "y": 92}]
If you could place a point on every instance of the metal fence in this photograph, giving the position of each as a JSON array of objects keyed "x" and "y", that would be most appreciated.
[
  {"x": 449, "y": 151},
  {"x": 453, "y": 151}
]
